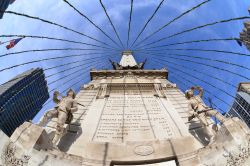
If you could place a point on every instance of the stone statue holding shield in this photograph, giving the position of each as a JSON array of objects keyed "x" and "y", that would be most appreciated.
[
  {"x": 63, "y": 110},
  {"x": 197, "y": 108}
]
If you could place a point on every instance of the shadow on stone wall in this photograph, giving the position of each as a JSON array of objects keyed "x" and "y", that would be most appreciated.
[
  {"x": 200, "y": 134},
  {"x": 68, "y": 139}
]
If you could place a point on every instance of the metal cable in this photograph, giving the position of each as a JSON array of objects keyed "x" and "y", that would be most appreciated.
[
  {"x": 203, "y": 58},
  {"x": 194, "y": 70},
  {"x": 46, "y": 59},
  {"x": 204, "y": 64},
  {"x": 61, "y": 92},
  {"x": 182, "y": 82},
  {"x": 130, "y": 19},
  {"x": 205, "y": 50},
  {"x": 65, "y": 90},
  {"x": 172, "y": 21},
  {"x": 110, "y": 21},
  {"x": 72, "y": 73},
  {"x": 56, "y": 24},
  {"x": 191, "y": 84},
  {"x": 51, "y": 49},
  {"x": 72, "y": 63},
  {"x": 62, "y": 71},
  {"x": 198, "y": 27},
  {"x": 89, "y": 20},
  {"x": 144, "y": 27},
  {"x": 58, "y": 73},
  {"x": 199, "y": 71},
  {"x": 72, "y": 76},
  {"x": 53, "y": 38},
  {"x": 179, "y": 76},
  {"x": 197, "y": 78},
  {"x": 193, "y": 41},
  {"x": 214, "y": 60}
]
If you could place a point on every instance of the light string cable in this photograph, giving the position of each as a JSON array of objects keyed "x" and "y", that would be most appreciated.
[
  {"x": 130, "y": 20},
  {"x": 214, "y": 60},
  {"x": 65, "y": 89},
  {"x": 199, "y": 71},
  {"x": 191, "y": 75},
  {"x": 193, "y": 83},
  {"x": 215, "y": 67},
  {"x": 111, "y": 23},
  {"x": 193, "y": 41},
  {"x": 176, "y": 56},
  {"x": 40, "y": 97},
  {"x": 73, "y": 75},
  {"x": 172, "y": 21},
  {"x": 187, "y": 86},
  {"x": 57, "y": 25},
  {"x": 53, "y": 38},
  {"x": 53, "y": 58},
  {"x": 190, "y": 85},
  {"x": 201, "y": 50},
  {"x": 74, "y": 62},
  {"x": 70, "y": 74},
  {"x": 68, "y": 69},
  {"x": 202, "y": 73},
  {"x": 195, "y": 28},
  {"x": 148, "y": 21},
  {"x": 53, "y": 49},
  {"x": 91, "y": 22},
  {"x": 62, "y": 78},
  {"x": 64, "y": 70}
]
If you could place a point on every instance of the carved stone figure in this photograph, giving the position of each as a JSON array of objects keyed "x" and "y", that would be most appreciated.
[
  {"x": 197, "y": 108},
  {"x": 62, "y": 111}
]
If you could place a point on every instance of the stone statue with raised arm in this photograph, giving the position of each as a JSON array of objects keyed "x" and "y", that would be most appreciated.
[
  {"x": 63, "y": 110},
  {"x": 197, "y": 108}
]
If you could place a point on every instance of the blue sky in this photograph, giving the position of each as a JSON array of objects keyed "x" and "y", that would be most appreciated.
[{"x": 59, "y": 12}]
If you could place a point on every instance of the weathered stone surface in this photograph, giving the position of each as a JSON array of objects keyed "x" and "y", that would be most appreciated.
[{"x": 29, "y": 136}]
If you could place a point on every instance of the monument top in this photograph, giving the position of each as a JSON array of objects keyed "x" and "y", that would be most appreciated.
[
  {"x": 128, "y": 62},
  {"x": 127, "y": 59}
]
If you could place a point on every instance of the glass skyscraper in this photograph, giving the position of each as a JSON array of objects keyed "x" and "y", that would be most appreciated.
[
  {"x": 4, "y": 5},
  {"x": 21, "y": 98},
  {"x": 241, "y": 105}
]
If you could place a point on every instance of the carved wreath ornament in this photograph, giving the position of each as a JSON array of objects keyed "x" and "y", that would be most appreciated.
[
  {"x": 239, "y": 156},
  {"x": 9, "y": 158},
  {"x": 144, "y": 150}
]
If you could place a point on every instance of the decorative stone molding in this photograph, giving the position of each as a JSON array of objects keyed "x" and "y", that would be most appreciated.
[
  {"x": 237, "y": 156},
  {"x": 122, "y": 73},
  {"x": 9, "y": 159}
]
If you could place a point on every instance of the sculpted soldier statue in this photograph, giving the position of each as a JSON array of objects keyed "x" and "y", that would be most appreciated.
[
  {"x": 63, "y": 111},
  {"x": 197, "y": 108}
]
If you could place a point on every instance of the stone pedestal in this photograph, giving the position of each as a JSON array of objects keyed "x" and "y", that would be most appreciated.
[{"x": 29, "y": 136}]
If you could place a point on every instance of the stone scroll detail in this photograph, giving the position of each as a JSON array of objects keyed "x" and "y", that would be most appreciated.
[{"x": 9, "y": 159}]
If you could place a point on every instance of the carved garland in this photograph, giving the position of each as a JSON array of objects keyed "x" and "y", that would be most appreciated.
[
  {"x": 239, "y": 156},
  {"x": 9, "y": 158}
]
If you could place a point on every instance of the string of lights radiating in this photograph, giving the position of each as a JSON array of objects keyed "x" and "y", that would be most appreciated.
[{"x": 162, "y": 54}]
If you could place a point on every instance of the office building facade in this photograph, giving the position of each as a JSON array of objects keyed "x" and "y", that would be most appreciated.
[
  {"x": 241, "y": 105},
  {"x": 21, "y": 98}
]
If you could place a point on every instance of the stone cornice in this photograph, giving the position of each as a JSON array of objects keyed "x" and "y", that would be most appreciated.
[{"x": 96, "y": 74}]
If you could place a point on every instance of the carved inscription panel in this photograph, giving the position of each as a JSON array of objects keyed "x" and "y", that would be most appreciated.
[{"x": 133, "y": 114}]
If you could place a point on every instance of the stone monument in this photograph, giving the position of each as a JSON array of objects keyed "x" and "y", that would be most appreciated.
[{"x": 129, "y": 116}]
